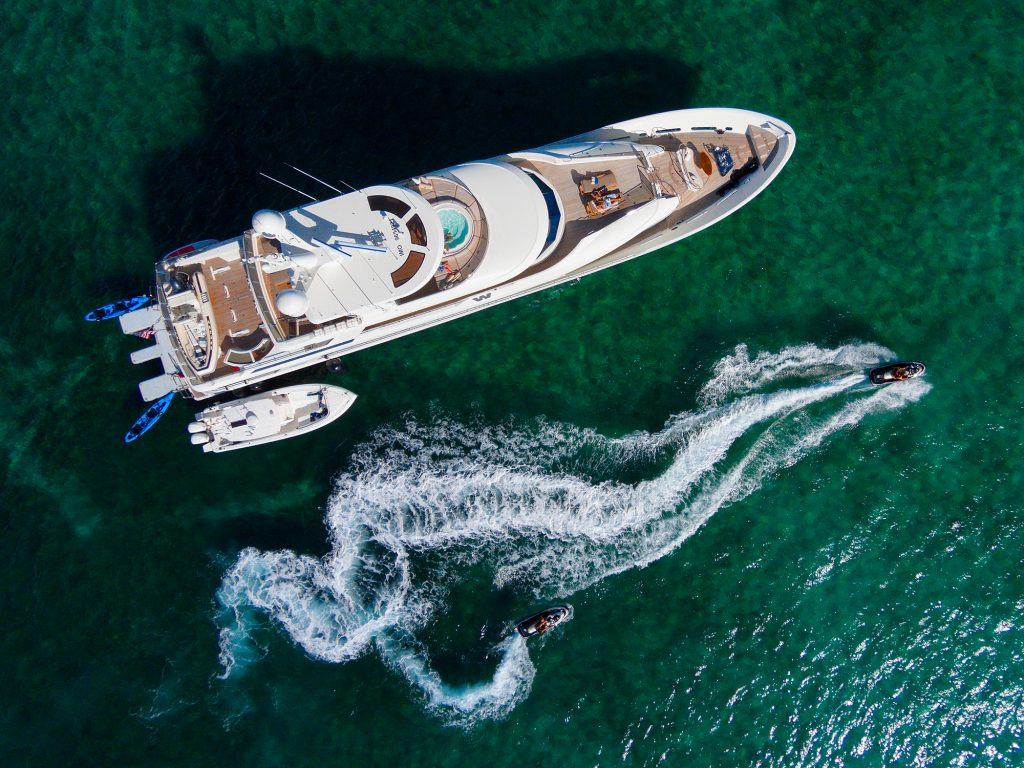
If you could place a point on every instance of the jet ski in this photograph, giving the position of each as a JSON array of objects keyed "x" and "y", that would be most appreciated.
[
  {"x": 889, "y": 374},
  {"x": 541, "y": 622},
  {"x": 116, "y": 308},
  {"x": 149, "y": 418}
]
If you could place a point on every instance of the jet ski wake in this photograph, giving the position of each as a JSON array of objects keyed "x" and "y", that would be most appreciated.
[{"x": 535, "y": 505}]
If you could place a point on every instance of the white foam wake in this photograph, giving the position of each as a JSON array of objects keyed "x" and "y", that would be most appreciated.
[
  {"x": 467, "y": 704},
  {"x": 422, "y": 502}
]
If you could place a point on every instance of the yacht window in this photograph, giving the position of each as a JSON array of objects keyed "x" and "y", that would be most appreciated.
[
  {"x": 554, "y": 215},
  {"x": 388, "y": 204},
  {"x": 404, "y": 273},
  {"x": 417, "y": 232}
]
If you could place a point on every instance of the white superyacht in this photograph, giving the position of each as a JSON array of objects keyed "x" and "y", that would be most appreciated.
[{"x": 338, "y": 275}]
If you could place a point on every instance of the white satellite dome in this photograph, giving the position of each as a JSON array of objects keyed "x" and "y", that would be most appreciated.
[
  {"x": 270, "y": 224},
  {"x": 292, "y": 302},
  {"x": 251, "y": 420}
]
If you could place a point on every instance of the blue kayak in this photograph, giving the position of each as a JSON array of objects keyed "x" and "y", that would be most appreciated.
[
  {"x": 108, "y": 311},
  {"x": 149, "y": 418}
]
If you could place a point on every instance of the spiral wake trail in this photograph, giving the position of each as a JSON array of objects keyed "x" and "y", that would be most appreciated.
[{"x": 421, "y": 502}]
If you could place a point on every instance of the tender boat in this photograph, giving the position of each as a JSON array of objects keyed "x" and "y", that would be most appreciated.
[
  {"x": 902, "y": 371},
  {"x": 117, "y": 308},
  {"x": 149, "y": 418},
  {"x": 269, "y": 416},
  {"x": 349, "y": 270},
  {"x": 543, "y": 621}
]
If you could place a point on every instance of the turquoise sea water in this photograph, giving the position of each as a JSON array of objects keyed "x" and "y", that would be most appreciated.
[{"x": 768, "y": 564}]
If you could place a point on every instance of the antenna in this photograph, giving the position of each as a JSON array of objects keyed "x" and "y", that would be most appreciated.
[
  {"x": 293, "y": 189},
  {"x": 314, "y": 178}
]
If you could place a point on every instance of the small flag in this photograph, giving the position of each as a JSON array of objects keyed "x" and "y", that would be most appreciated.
[{"x": 146, "y": 333}]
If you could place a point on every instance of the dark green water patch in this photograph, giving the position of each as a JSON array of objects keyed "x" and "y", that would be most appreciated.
[{"x": 862, "y": 606}]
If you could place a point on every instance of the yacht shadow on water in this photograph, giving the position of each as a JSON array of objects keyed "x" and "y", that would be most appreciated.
[{"x": 371, "y": 121}]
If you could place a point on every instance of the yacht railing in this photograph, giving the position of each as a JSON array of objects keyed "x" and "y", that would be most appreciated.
[{"x": 254, "y": 273}]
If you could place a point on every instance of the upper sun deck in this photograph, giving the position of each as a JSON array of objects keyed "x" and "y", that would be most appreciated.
[
  {"x": 353, "y": 259},
  {"x": 352, "y": 254}
]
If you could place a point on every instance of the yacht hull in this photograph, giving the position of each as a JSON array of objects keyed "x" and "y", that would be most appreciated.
[{"x": 763, "y": 146}]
